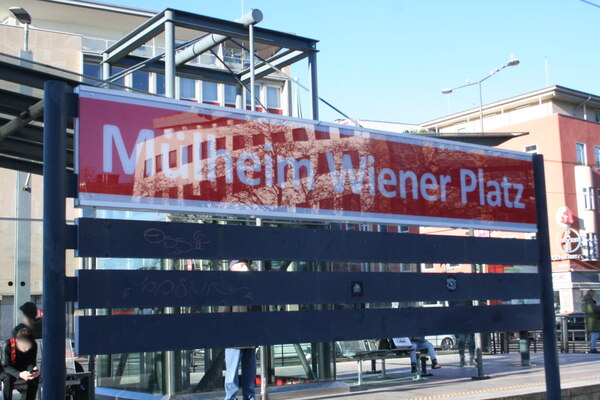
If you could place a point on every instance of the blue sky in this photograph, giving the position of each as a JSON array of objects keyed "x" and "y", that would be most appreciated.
[{"x": 388, "y": 60}]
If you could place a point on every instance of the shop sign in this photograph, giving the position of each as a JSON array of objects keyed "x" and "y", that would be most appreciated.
[{"x": 569, "y": 240}]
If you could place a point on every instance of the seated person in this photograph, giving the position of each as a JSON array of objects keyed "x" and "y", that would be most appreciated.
[
  {"x": 18, "y": 363},
  {"x": 30, "y": 320},
  {"x": 419, "y": 343}
]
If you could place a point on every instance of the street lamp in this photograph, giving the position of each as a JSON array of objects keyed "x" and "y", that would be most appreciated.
[
  {"x": 23, "y": 17},
  {"x": 22, "y": 259},
  {"x": 511, "y": 63}
]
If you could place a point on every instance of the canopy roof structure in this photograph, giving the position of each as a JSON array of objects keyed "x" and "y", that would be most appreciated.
[{"x": 22, "y": 81}]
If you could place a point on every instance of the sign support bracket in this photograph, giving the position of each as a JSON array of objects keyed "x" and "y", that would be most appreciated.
[{"x": 551, "y": 363}]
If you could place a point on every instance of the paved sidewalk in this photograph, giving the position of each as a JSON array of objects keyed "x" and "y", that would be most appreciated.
[{"x": 508, "y": 378}]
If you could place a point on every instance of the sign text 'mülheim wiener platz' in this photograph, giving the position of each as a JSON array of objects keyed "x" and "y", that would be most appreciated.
[{"x": 146, "y": 153}]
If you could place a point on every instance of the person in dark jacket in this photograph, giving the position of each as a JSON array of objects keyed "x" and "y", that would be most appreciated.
[
  {"x": 19, "y": 366},
  {"x": 30, "y": 320},
  {"x": 592, "y": 318},
  {"x": 246, "y": 356}
]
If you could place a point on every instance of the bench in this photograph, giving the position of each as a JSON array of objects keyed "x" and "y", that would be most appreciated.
[
  {"x": 365, "y": 350},
  {"x": 73, "y": 378}
]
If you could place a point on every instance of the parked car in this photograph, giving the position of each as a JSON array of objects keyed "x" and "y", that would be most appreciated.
[
  {"x": 442, "y": 342},
  {"x": 575, "y": 325}
]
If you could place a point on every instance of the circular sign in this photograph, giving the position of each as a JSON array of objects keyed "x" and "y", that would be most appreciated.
[
  {"x": 569, "y": 240},
  {"x": 451, "y": 283}
]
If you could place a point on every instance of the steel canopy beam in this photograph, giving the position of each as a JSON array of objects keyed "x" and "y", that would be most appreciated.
[
  {"x": 154, "y": 26},
  {"x": 236, "y": 30},
  {"x": 252, "y": 17},
  {"x": 21, "y": 120},
  {"x": 279, "y": 61},
  {"x": 184, "y": 71},
  {"x": 136, "y": 38}
]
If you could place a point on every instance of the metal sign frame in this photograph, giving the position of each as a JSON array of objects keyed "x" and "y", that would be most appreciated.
[{"x": 97, "y": 238}]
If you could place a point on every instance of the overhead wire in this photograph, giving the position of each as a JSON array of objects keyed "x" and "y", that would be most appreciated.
[
  {"x": 590, "y": 3},
  {"x": 236, "y": 77},
  {"x": 297, "y": 83}
]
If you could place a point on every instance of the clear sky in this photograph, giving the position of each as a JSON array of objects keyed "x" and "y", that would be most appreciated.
[{"x": 389, "y": 59}]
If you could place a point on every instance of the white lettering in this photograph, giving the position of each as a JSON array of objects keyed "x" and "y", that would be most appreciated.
[
  {"x": 464, "y": 187},
  {"x": 494, "y": 197},
  {"x": 339, "y": 178},
  {"x": 295, "y": 165},
  {"x": 506, "y": 185},
  {"x": 428, "y": 182},
  {"x": 213, "y": 154},
  {"x": 112, "y": 134},
  {"x": 402, "y": 177},
  {"x": 386, "y": 177},
  {"x": 519, "y": 195},
  {"x": 243, "y": 167}
]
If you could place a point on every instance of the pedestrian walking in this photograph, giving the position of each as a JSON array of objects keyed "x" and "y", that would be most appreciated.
[
  {"x": 592, "y": 318},
  {"x": 246, "y": 356}
]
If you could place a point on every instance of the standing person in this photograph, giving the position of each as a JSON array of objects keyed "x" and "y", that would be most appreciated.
[
  {"x": 19, "y": 369},
  {"x": 30, "y": 320},
  {"x": 246, "y": 356},
  {"x": 592, "y": 318},
  {"x": 464, "y": 340}
]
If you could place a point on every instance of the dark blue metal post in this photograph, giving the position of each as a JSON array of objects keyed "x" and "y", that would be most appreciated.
[
  {"x": 55, "y": 126},
  {"x": 551, "y": 363}
]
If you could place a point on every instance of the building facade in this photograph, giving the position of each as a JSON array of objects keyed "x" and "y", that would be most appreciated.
[{"x": 564, "y": 125}]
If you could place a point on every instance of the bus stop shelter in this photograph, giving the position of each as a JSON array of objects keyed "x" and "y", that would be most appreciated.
[{"x": 49, "y": 148}]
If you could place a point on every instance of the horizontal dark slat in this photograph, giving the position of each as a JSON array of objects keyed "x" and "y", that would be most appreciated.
[
  {"x": 147, "y": 289},
  {"x": 149, "y": 239},
  {"x": 21, "y": 165},
  {"x": 145, "y": 333}
]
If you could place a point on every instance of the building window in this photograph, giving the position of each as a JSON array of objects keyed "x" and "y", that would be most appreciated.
[
  {"x": 160, "y": 84},
  {"x": 532, "y": 149},
  {"x": 187, "y": 89},
  {"x": 210, "y": 92},
  {"x": 141, "y": 80},
  {"x": 589, "y": 198},
  {"x": 273, "y": 97},
  {"x": 580, "y": 149},
  {"x": 426, "y": 267},
  {"x": 597, "y": 156},
  {"x": 230, "y": 94},
  {"x": 403, "y": 228},
  {"x": 92, "y": 70},
  {"x": 452, "y": 266},
  {"x": 365, "y": 228},
  {"x": 597, "y": 116},
  {"x": 591, "y": 246}
]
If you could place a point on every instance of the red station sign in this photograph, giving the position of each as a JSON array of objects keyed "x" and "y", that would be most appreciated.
[{"x": 147, "y": 153}]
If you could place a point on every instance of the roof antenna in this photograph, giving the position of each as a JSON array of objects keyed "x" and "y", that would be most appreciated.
[{"x": 546, "y": 68}]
